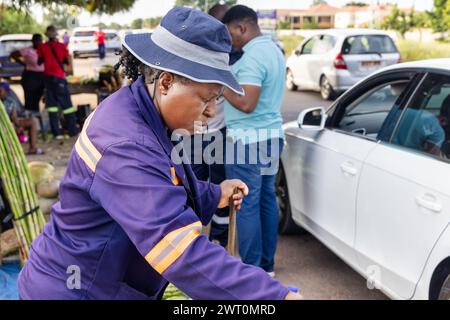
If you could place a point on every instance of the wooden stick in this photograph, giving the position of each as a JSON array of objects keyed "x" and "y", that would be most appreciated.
[{"x": 231, "y": 245}]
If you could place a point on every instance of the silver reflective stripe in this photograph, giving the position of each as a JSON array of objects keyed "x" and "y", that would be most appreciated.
[
  {"x": 189, "y": 51},
  {"x": 220, "y": 220}
]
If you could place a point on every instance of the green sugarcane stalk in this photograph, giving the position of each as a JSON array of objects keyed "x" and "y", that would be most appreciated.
[{"x": 18, "y": 186}]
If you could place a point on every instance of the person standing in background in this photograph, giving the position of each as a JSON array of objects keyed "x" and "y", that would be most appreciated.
[
  {"x": 255, "y": 124},
  {"x": 101, "y": 43},
  {"x": 33, "y": 75},
  {"x": 66, "y": 39},
  {"x": 54, "y": 55}
]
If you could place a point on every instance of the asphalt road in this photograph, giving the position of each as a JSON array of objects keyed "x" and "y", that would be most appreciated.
[{"x": 301, "y": 260}]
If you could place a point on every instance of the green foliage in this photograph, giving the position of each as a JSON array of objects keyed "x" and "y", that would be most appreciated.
[
  {"x": 60, "y": 15},
  {"x": 200, "y": 4},
  {"x": 439, "y": 17},
  {"x": 13, "y": 21},
  {"x": 356, "y": 4},
  {"x": 137, "y": 23},
  {"x": 283, "y": 24},
  {"x": 400, "y": 21},
  {"x": 416, "y": 50},
  {"x": 317, "y": 2},
  {"x": 291, "y": 42},
  {"x": 98, "y": 6},
  {"x": 152, "y": 22}
]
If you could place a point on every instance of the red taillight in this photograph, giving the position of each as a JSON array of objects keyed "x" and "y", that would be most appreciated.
[{"x": 339, "y": 62}]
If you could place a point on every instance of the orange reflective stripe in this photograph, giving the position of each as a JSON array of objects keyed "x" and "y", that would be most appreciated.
[
  {"x": 175, "y": 179},
  {"x": 166, "y": 251}
]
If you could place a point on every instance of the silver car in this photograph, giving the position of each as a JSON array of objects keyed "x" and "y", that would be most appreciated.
[{"x": 334, "y": 60}]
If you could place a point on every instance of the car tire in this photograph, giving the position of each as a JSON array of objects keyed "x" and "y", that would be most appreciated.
[
  {"x": 326, "y": 89},
  {"x": 290, "y": 85},
  {"x": 444, "y": 293},
  {"x": 285, "y": 223}
]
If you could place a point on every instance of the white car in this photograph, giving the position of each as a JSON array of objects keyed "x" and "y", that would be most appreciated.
[
  {"x": 8, "y": 44},
  {"x": 369, "y": 177},
  {"x": 112, "y": 40},
  {"x": 83, "y": 41},
  {"x": 334, "y": 60}
]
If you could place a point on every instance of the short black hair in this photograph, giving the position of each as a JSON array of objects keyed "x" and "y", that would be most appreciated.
[
  {"x": 240, "y": 13},
  {"x": 51, "y": 28},
  {"x": 36, "y": 36}
]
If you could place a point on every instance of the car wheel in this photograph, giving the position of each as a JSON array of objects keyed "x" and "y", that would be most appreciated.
[
  {"x": 444, "y": 294},
  {"x": 326, "y": 90},
  {"x": 285, "y": 223},
  {"x": 290, "y": 85}
]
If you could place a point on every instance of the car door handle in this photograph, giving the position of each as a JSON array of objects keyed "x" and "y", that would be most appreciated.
[
  {"x": 429, "y": 202},
  {"x": 348, "y": 168}
]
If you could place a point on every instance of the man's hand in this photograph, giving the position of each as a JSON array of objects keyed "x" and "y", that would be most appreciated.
[{"x": 227, "y": 188}]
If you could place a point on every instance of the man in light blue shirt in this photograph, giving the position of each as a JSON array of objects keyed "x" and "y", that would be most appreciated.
[{"x": 254, "y": 123}]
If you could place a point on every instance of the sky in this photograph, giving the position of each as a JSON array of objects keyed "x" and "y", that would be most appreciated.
[{"x": 152, "y": 8}]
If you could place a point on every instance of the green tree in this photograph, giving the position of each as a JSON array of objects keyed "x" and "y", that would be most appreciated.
[
  {"x": 137, "y": 23},
  {"x": 60, "y": 15},
  {"x": 115, "y": 26},
  {"x": 204, "y": 5},
  {"x": 152, "y": 22},
  {"x": 317, "y": 2},
  {"x": 356, "y": 4},
  {"x": 439, "y": 17},
  {"x": 98, "y": 6},
  {"x": 13, "y": 21},
  {"x": 399, "y": 21}
]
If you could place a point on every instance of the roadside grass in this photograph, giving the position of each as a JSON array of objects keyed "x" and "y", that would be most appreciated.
[
  {"x": 415, "y": 50},
  {"x": 410, "y": 50},
  {"x": 290, "y": 43}
]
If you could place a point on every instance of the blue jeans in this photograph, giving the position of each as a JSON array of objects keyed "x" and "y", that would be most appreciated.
[
  {"x": 101, "y": 51},
  {"x": 257, "y": 221}
]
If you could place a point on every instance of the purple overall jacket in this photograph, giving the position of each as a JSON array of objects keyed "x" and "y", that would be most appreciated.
[{"x": 129, "y": 219}]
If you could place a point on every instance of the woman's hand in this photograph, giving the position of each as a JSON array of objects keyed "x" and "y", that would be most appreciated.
[
  {"x": 227, "y": 188},
  {"x": 293, "y": 296}
]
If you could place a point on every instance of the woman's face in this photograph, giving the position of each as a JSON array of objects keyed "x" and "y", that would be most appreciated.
[{"x": 182, "y": 104}]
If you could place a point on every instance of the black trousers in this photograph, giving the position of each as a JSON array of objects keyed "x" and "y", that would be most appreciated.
[{"x": 33, "y": 88}]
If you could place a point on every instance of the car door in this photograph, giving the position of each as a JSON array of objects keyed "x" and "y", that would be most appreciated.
[
  {"x": 326, "y": 166},
  {"x": 403, "y": 198},
  {"x": 319, "y": 59},
  {"x": 301, "y": 63}
]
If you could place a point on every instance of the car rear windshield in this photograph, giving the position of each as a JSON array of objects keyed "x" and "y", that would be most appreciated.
[
  {"x": 84, "y": 34},
  {"x": 8, "y": 46},
  {"x": 366, "y": 44}
]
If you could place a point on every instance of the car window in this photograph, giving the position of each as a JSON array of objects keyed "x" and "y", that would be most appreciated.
[
  {"x": 110, "y": 35},
  {"x": 9, "y": 46},
  {"x": 364, "y": 44},
  {"x": 321, "y": 45},
  {"x": 366, "y": 115},
  {"x": 308, "y": 46},
  {"x": 425, "y": 124},
  {"x": 84, "y": 34}
]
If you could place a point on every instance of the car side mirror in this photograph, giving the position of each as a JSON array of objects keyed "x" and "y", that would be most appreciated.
[
  {"x": 297, "y": 52},
  {"x": 312, "y": 119}
]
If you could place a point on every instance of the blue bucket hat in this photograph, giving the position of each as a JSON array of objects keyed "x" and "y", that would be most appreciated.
[{"x": 188, "y": 43}]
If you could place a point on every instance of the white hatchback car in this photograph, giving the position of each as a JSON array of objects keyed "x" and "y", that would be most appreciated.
[
  {"x": 334, "y": 60},
  {"x": 83, "y": 41},
  {"x": 369, "y": 177}
]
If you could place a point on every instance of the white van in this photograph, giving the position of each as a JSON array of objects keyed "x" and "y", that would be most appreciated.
[{"x": 83, "y": 41}]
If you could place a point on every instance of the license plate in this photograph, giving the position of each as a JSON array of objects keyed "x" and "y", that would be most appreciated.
[
  {"x": 85, "y": 41},
  {"x": 369, "y": 64}
]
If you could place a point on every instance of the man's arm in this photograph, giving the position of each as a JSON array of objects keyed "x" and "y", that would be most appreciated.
[
  {"x": 16, "y": 56},
  {"x": 246, "y": 103}
]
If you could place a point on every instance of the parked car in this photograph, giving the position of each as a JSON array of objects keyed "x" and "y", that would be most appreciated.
[
  {"x": 112, "y": 40},
  {"x": 83, "y": 41},
  {"x": 9, "y": 43},
  {"x": 369, "y": 178},
  {"x": 334, "y": 60}
]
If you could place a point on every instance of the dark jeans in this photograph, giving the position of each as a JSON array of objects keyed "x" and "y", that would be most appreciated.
[
  {"x": 257, "y": 221},
  {"x": 216, "y": 174},
  {"x": 58, "y": 96},
  {"x": 33, "y": 89},
  {"x": 101, "y": 51}
]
